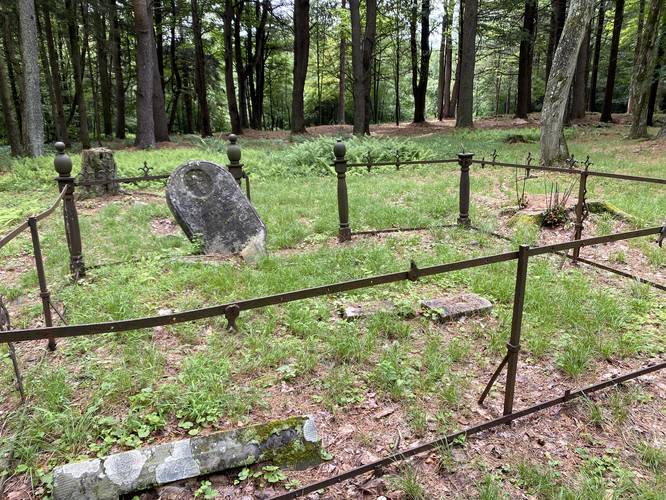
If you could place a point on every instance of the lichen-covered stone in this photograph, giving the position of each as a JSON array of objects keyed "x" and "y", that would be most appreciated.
[
  {"x": 98, "y": 164},
  {"x": 213, "y": 210},
  {"x": 289, "y": 442},
  {"x": 456, "y": 306}
]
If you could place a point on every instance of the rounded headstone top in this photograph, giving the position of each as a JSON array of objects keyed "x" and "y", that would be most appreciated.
[
  {"x": 339, "y": 150},
  {"x": 233, "y": 150},
  {"x": 62, "y": 162}
]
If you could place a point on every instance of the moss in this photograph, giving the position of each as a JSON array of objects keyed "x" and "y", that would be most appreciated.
[
  {"x": 601, "y": 207},
  {"x": 525, "y": 220}
]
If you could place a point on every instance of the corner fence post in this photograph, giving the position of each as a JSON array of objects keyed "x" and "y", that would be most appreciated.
[
  {"x": 513, "y": 345},
  {"x": 235, "y": 167},
  {"x": 41, "y": 277},
  {"x": 63, "y": 166},
  {"x": 465, "y": 161},
  {"x": 580, "y": 212},
  {"x": 339, "y": 150}
]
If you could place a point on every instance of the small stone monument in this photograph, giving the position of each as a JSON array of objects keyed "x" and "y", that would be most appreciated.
[
  {"x": 98, "y": 164},
  {"x": 210, "y": 206}
]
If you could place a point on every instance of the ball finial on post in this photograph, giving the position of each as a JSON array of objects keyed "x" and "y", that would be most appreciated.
[
  {"x": 233, "y": 150},
  {"x": 339, "y": 150},
  {"x": 62, "y": 162}
]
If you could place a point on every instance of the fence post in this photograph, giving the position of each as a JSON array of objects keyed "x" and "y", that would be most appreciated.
[
  {"x": 234, "y": 154},
  {"x": 63, "y": 166},
  {"x": 41, "y": 277},
  {"x": 339, "y": 150},
  {"x": 580, "y": 211},
  {"x": 513, "y": 345},
  {"x": 465, "y": 161}
]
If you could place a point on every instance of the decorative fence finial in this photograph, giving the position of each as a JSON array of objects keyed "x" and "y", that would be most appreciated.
[{"x": 62, "y": 162}]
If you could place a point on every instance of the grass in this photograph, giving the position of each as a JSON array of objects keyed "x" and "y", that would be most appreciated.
[{"x": 111, "y": 392}]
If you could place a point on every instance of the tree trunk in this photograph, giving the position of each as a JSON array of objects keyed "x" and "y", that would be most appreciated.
[
  {"x": 644, "y": 69},
  {"x": 553, "y": 145},
  {"x": 654, "y": 86},
  {"x": 558, "y": 14},
  {"x": 368, "y": 54},
  {"x": 77, "y": 58},
  {"x": 241, "y": 75},
  {"x": 145, "y": 132},
  {"x": 357, "y": 68},
  {"x": 259, "y": 64},
  {"x": 342, "y": 75},
  {"x": 592, "y": 106},
  {"x": 612, "y": 62},
  {"x": 8, "y": 112},
  {"x": 200, "y": 69},
  {"x": 59, "y": 118},
  {"x": 116, "y": 56},
  {"x": 160, "y": 119},
  {"x": 578, "y": 95},
  {"x": 177, "y": 82},
  {"x": 639, "y": 32},
  {"x": 420, "y": 75},
  {"x": 101, "y": 45},
  {"x": 159, "y": 39},
  {"x": 33, "y": 119},
  {"x": 525, "y": 58},
  {"x": 234, "y": 116},
  {"x": 301, "y": 52},
  {"x": 396, "y": 76},
  {"x": 464, "y": 117}
]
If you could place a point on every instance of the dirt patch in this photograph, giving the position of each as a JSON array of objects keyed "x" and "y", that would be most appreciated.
[{"x": 165, "y": 227}]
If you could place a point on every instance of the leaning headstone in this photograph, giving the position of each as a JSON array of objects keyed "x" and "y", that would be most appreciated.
[
  {"x": 455, "y": 306},
  {"x": 213, "y": 210},
  {"x": 290, "y": 442},
  {"x": 98, "y": 164}
]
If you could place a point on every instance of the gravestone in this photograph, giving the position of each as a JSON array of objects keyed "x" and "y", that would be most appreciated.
[
  {"x": 456, "y": 306},
  {"x": 211, "y": 208},
  {"x": 98, "y": 164}
]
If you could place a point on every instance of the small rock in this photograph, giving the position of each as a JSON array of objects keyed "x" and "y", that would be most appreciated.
[
  {"x": 164, "y": 312},
  {"x": 456, "y": 306}
]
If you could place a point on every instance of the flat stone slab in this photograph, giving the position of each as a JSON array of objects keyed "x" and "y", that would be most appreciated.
[
  {"x": 211, "y": 208},
  {"x": 292, "y": 441},
  {"x": 365, "y": 309},
  {"x": 455, "y": 306}
]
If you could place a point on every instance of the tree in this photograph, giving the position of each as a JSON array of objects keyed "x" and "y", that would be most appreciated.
[
  {"x": 116, "y": 57},
  {"x": 579, "y": 103},
  {"x": 553, "y": 144},
  {"x": 368, "y": 55},
  {"x": 200, "y": 71},
  {"x": 464, "y": 117},
  {"x": 643, "y": 70},
  {"x": 33, "y": 119},
  {"x": 445, "y": 54},
  {"x": 301, "y": 51},
  {"x": 54, "y": 65},
  {"x": 77, "y": 58},
  {"x": 145, "y": 132},
  {"x": 592, "y": 106},
  {"x": 232, "y": 104},
  {"x": 102, "y": 53},
  {"x": 558, "y": 13},
  {"x": 342, "y": 74},
  {"x": 525, "y": 59},
  {"x": 612, "y": 62},
  {"x": 8, "y": 112},
  {"x": 420, "y": 67}
]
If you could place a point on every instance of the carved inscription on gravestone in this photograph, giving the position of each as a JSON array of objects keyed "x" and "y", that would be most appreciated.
[{"x": 211, "y": 207}]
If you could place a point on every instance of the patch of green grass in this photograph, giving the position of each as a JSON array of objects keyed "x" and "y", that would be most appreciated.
[{"x": 408, "y": 481}]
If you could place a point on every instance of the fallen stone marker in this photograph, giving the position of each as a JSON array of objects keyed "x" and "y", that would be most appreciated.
[
  {"x": 210, "y": 206},
  {"x": 455, "y": 306},
  {"x": 365, "y": 309},
  {"x": 289, "y": 442}
]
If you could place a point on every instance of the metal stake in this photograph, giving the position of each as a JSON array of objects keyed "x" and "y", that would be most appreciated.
[
  {"x": 339, "y": 150},
  {"x": 465, "y": 161},
  {"x": 5, "y": 325},
  {"x": 41, "y": 276},
  {"x": 580, "y": 211}
]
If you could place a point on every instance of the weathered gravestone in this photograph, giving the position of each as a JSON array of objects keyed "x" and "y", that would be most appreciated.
[
  {"x": 211, "y": 207},
  {"x": 98, "y": 164}
]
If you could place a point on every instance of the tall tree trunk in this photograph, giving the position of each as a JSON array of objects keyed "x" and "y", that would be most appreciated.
[
  {"x": 420, "y": 75},
  {"x": 187, "y": 99},
  {"x": 368, "y": 54},
  {"x": 232, "y": 104},
  {"x": 177, "y": 83},
  {"x": 301, "y": 52},
  {"x": 464, "y": 117},
  {"x": 116, "y": 56},
  {"x": 654, "y": 86},
  {"x": 77, "y": 65},
  {"x": 456, "y": 86},
  {"x": 259, "y": 63},
  {"x": 342, "y": 75},
  {"x": 200, "y": 86},
  {"x": 33, "y": 119},
  {"x": 558, "y": 14},
  {"x": 357, "y": 67},
  {"x": 8, "y": 112},
  {"x": 525, "y": 58},
  {"x": 396, "y": 76},
  {"x": 241, "y": 75},
  {"x": 578, "y": 95},
  {"x": 59, "y": 118},
  {"x": 612, "y": 62},
  {"x": 160, "y": 119},
  {"x": 644, "y": 69},
  {"x": 448, "y": 63},
  {"x": 103, "y": 69},
  {"x": 145, "y": 132},
  {"x": 639, "y": 33},
  {"x": 592, "y": 106},
  {"x": 158, "y": 12},
  {"x": 553, "y": 145}
]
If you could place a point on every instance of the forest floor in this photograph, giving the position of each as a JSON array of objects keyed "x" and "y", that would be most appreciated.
[{"x": 374, "y": 385}]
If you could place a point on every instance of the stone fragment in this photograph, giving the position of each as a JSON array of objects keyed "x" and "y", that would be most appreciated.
[
  {"x": 289, "y": 442},
  {"x": 365, "y": 309},
  {"x": 213, "y": 210},
  {"x": 455, "y": 306},
  {"x": 98, "y": 164}
]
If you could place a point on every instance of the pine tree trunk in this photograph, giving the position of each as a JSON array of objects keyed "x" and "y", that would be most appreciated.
[
  {"x": 558, "y": 14},
  {"x": 592, "y": 106},
  {"x": 357, "y": 68},
  {"x": 259, "y": 64},
  {"x": 553, "y": 145},
  {"x": 368, "y": 54},
  {"x": 464, "y": 117},
  {"x": 177, "y": 83},
  {"x": 145, "y": 132},
  {"x": 241, "y": 75},
  {"x": 232, "y": 104},
  {"x": 396, "y": 76},
  {"x": 8, "y": 112},
  {"x": 301, "y": 52},
  {"x": 159, "y": 109},
  {"x": 116, "y": 56},
  {"x": 342, "y": 76},
  {"x": 200, "y": 86},
  {"x": 77, "y": 59},
  {"x": 525, "y": 58},
  {"x": 33, "y": 119},
  {"x": 159, "y": 38},
  {"x": 59, "y": 118},
  {"x": 421, "y": 74},
  {"x": 578, "y": 95},
  {"x": 103, "y": 68},
  {"x": 612, "y": 62},
  {"x": 639, "y": 32},
  {"x": 644, "y": 69},
  {"x": 654, "y": 86}
]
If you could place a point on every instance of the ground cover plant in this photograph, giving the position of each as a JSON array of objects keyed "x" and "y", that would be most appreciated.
[{"x": 374, "y": 385}]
